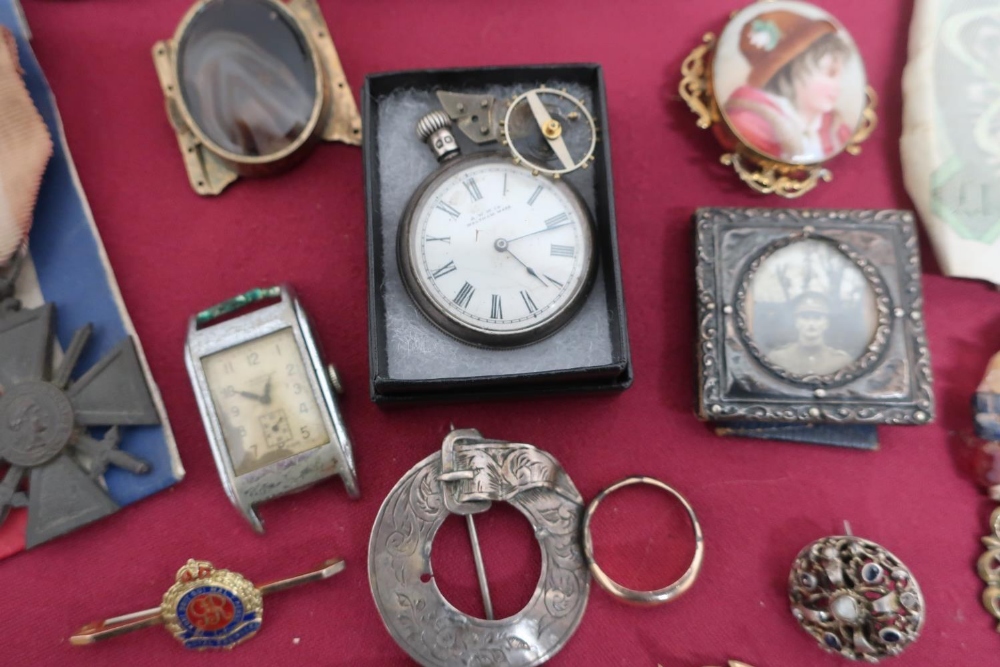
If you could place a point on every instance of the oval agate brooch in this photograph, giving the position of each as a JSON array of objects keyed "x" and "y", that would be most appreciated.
[{"x": 250, "y": 87}]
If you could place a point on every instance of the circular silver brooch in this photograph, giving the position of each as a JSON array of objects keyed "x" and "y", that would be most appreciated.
[{"x": 469, "y": 474}]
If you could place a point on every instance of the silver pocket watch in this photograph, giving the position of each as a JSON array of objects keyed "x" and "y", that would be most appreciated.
[{"x": 494, "y": 247}]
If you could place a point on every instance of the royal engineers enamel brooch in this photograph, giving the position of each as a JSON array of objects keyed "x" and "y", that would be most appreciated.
[
  {"x": 206, "y": 608},
  {"x": 209, "y": 608}
]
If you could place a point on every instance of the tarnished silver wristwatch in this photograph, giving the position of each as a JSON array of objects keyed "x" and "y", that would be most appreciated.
[{"x": 267, "y": 400}]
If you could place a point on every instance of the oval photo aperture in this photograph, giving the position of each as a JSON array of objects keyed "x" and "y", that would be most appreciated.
[{"x": 810, "y": 309}]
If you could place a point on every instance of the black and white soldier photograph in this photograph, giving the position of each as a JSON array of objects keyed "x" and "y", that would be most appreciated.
[{"x": 811, "y": 310}]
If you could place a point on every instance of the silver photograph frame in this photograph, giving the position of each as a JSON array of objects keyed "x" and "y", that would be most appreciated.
[{"x": 889, "y": 383}]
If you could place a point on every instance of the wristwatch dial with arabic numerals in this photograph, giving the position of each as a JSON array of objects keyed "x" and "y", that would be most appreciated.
[
  {"x": 266, "y": 398},
  {"x": 263, "y": 400},
  {"x": 495, "y": 255}
]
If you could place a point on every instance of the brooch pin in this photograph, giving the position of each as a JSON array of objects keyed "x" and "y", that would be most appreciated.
[
  {"x": 986, "y": 466},
  {"x": 466, "y": 477},
  {"x": 856, "y": 598},
  {"x": 206, "y": 607},
  {"x": 784, "y": 88}
]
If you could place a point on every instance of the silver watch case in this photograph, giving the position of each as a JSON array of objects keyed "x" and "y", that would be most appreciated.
[
  {"x": 482, "y": 337},
  {"x": 296, "y": 472}
]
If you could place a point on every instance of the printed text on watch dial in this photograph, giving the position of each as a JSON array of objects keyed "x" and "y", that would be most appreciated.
[{"x": 499, "y": 249}]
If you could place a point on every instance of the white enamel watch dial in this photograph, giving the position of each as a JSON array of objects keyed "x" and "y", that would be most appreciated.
[{"x": 494, "y": 255}]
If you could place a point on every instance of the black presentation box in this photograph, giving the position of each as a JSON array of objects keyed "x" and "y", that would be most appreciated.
[{"x": 410, "y": 359}]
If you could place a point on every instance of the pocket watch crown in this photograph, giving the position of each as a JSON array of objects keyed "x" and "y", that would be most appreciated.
[
  {"x": 434, "y": 129},
  {"x": 431, "y": 123}
]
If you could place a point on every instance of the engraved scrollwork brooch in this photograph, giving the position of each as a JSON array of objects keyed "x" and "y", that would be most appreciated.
[
  {"x": 856, "y": 598},
  {"x": 784, "y": 89},
  {"x": 465, "y": 477}
]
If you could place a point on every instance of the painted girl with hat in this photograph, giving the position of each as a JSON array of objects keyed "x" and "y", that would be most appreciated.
[{"x": 787, "y": 109}]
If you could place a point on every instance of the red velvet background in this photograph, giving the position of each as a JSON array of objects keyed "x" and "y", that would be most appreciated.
[{"x": 759, "y": 502}]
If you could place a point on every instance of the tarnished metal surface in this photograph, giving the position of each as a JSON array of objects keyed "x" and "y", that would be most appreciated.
[
  {"x": 856, "y": 598},
  {"x": 295, "y": 470},
  {"x": 741, "y": 377},
  {"x": 469, "y": 474},
  {"x": 43, "y": 420}
]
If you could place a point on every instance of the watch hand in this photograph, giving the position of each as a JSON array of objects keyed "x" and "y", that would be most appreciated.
[
  {"x": 539, "y": 231},
  {"x": 247, "y": 394},
  {"x": 531, "y": 271},
  {"x": 266, "y": 399},
  {"x": 551, "y": 129}
]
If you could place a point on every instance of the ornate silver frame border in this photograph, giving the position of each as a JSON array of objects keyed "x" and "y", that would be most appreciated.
[
  {"x": 883, "y": 302},
  {"x": 719, "y": 316}
]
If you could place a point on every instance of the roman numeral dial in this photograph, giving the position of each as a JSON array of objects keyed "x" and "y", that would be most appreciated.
[
  {"x": 496, "y": 310},
  {"x": 562, "y": 250},
  {"x": 464, "y": 295},
  {"x": 557, "y": 220},
  {"x": 473, "y": 189},
  {"x": 450, "y": 210},
  {"x": 492, "y": 253},
  {"x": 534, "y": 195},
  {"x": 529, "y": 303},
  {"x": 444, "y": 270}
]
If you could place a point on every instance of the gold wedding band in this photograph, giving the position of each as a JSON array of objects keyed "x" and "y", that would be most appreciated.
[{"x": 643, "y": 598}]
